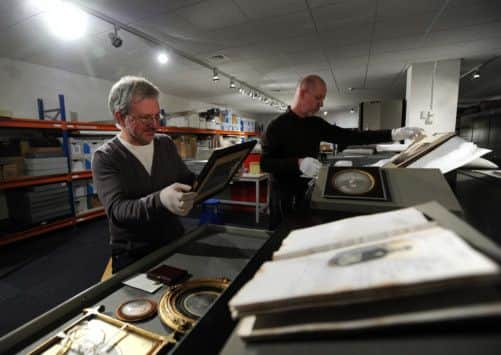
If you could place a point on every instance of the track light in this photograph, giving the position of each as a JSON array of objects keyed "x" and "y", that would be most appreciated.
[
  {"x": 215, "y": 76},
  {"x": 232, "y": 84},
  {"x": 116, "y": 41},
  {"x": 475, "y": 75},
  {"x": 162, "y": 58}
]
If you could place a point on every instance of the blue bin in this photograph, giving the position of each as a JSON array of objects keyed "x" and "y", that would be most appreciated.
[{"x": 211, "y": 212}]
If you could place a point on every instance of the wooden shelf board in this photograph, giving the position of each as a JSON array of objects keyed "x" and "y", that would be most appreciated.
[
  {"x": 37, "y": 230},
  {"x": 191, "y": 130},
  {"x": 30, "y": 123},
  {"x": 33, "y": 180},
  {"x": 78, "y": 175},
  {"x": 90, "y": 214}
]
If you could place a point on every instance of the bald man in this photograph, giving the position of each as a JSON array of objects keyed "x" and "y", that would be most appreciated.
[{"x": 291, "y": 146}]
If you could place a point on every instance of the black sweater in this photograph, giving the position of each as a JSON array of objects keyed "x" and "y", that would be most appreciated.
[
  {"x": 290, "y": 137},
  {"x": 131, "y": 196}
]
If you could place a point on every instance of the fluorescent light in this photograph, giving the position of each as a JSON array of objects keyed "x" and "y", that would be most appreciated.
[
  {"x": 162, "y": 58},
  {"x": 65, "y": 20}
]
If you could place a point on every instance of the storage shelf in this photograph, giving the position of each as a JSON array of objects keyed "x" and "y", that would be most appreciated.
[
  {"x": 79, "y": 175},
  {"x": 33, "y": 180},
  {"x": 90, "y": 214},
  {"x": 7, "y": 122},
  {"x": 191, "y": 130},
  {"x": 37, "y": 230},
  {"x": 74, "y": 128}
]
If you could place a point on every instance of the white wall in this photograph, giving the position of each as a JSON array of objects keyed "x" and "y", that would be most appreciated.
[
  {"x": 22, "y": 83},
  {"x": 344, "y": 118},
  {"x": 445, "y": 95}
]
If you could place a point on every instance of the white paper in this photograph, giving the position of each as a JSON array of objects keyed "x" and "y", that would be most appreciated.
[
  {"x": 396, "y": 147},
  {"x": 450, "y": 155},
  {"x": 142, "y": 282},
  {"x": 434, "y": 254},
  {"x": 347, "y": 231}
]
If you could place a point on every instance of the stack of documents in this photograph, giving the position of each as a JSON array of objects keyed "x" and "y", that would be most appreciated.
[{"x": 324, "y": 277}]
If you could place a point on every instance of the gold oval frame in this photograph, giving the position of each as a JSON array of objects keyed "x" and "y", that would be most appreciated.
[
  {"x": 171, "y": 315},
  {"x": 362, "y": 172}
]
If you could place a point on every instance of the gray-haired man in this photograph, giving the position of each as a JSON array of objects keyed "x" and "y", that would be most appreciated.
[{"x": 139, "y": 176}]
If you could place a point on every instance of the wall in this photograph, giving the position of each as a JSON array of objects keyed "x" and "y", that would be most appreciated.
[
  {"x": 343, "y": 118},
  {"x": 445, "y": 95},
  {"x": 23, "y": 83}
]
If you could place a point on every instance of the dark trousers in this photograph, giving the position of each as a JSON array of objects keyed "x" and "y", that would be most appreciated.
[
  {"x": 287, "y": 198},
  {"x": 124, "y": 255}
]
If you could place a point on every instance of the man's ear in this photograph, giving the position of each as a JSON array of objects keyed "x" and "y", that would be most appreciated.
[{"x": 119, "y": 118}]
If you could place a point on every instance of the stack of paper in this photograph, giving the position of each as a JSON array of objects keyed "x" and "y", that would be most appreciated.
[
  {"x": 319, "y": 271},
  {"x": 444, "y": 151}
]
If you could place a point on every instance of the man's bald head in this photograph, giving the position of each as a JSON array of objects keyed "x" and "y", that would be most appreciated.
[
  {"x": 309, "y": 96},
  {"x": 311, "y": 82}
]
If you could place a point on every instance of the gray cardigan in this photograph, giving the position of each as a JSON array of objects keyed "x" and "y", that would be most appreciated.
[{"x": 131, "y": 197}]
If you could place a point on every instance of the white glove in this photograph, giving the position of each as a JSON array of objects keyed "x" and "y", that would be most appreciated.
[
  {"x": 309, "y": 166},
  {"x": 177, "y": 199},
  {"x": 399, "y": 134}
]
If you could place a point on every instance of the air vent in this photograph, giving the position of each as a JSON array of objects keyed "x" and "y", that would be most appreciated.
[{"x": 218, "y": 58}]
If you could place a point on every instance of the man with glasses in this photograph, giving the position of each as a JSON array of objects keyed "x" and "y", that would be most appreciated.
[
  {"x": 139, "y": 176},
  {"x": 291, "y": 145}
]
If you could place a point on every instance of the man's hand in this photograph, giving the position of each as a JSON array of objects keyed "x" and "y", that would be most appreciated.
[
  {"x": 399, "y": 134},
  {"x": 177, "y": 198},
  {"x": 309, "y": 166}
]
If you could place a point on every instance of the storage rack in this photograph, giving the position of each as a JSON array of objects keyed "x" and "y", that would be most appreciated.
[{"x": 67, "y": 128}]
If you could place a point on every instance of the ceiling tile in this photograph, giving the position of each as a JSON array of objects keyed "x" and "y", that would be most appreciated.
[
  {"x": 470, "y": 13},
  {"x": 128, "y": 11},
  {"x": 343, "y": 12},
  {"x": 213, "y": 14},
  {"x": 270, "y": 8},
  {"x": 404, "y": 8},
  {"x": 394, "y": 27}
]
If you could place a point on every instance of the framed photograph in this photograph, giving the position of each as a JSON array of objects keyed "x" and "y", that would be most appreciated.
[
  {"x": 97, "y": 333},
  {"x": 223, "y": 164},
  {"x": 419, "y": 148},
  {"x": 362, "y": 183},
  {"x": 182, "y": 305}
]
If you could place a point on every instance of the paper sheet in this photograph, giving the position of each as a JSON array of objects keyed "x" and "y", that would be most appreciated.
[
  {"x": 450, "y": 155},
  {"x": 347, "y": 232},
  {"x": 339, "y": 276},
  {"x": 140, "y": 281}
]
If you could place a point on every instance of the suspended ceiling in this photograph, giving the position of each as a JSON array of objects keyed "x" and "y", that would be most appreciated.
[{"x": 269, "y": 44}]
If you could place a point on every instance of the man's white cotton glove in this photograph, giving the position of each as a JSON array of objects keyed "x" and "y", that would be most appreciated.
[
  {"x": 309, "y": 166},
  {"x": 399, "y": 134},
  {"x": 177, "y": 198}
]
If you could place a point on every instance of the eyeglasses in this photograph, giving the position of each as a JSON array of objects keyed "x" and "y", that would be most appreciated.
[{"x": 146, "y": 119}]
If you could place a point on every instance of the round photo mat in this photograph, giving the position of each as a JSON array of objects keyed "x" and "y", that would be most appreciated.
[{"x": 136, "y": 309}]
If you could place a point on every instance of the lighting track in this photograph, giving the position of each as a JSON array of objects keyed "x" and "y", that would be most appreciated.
[{"x": 151, "y": 39}]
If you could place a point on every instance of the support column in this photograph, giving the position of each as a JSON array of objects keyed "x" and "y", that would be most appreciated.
[{"x": 432, "y": 95}]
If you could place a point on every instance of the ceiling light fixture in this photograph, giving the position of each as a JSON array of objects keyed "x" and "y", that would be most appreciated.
[
  {"x": 232, "y": 84},
  {"x": 352, "y": 110},
  {"x": 215, "y": 75},
  {"x": 116, "y": 41},
  {"x": 325, "y": 113},
  {"x": 65, "y": 20},
  {"x": 162, "y": 58},
  {"x": 475, "y": 75}
]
